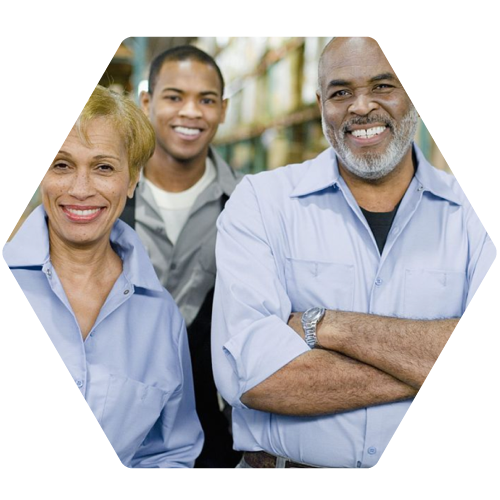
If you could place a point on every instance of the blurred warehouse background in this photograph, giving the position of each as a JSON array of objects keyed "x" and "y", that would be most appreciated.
[{"x": 273, "y": 119}]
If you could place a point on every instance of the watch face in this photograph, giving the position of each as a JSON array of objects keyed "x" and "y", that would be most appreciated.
[{"x": 315, "y": 313}]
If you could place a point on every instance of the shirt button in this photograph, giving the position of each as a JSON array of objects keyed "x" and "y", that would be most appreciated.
[
  {"x": 395, "y": 230},
  {"x": 378, "y": 281},
  {"x": 49, "y": 273},
  {"x": 126, "y": 292},
  {"x": 372, "y": 450},
  {"x": 79, "y": 383}
]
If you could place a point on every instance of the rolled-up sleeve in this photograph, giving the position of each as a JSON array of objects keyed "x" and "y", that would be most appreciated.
[{"x": 250, "y": 336}]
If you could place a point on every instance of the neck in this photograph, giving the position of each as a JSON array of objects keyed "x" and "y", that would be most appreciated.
[
  {"x": 71, "y": 261},
  {"x": 174, "y": 175},
  {"x": 384, "y": 194}
]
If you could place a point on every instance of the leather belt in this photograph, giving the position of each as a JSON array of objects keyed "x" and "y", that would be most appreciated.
[{"x": 264, "y": 460}]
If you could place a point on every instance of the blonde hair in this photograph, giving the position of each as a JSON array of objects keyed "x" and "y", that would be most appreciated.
[{"x": 131, "y": 123}]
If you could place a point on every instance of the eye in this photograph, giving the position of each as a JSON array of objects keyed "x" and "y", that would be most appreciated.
[
  {"x": 105, "y": 168},
  {"x": 172, "y": 98},
  {"x": 60, "y": 166},
  {"x": 208, "y": 100},
  {"x": 340, "y": 94},
  {"x": 383, "y": 87}
]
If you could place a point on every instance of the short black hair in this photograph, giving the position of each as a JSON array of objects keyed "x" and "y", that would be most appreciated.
[{"x": 181, "y": 53}]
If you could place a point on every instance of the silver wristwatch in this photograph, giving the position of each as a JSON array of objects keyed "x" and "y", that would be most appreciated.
[{"x": 310, "y": 319}]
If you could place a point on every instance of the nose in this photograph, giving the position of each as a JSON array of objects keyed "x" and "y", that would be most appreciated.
[
  {"x": 363, "y": 105},
  {"x": 190, "y": 109},
  {"x": 81, "y": 186}
]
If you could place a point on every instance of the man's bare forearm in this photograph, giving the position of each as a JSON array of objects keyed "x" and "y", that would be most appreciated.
[
  {"x": 323, "y": 382},
  {"x": 406, "y": 349}
]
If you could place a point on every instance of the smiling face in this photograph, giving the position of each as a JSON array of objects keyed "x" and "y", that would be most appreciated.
[
  {"x": 86, "y": 187},
  {"x": 366, "y": 114},
  {"x": 185, "y": 109}
]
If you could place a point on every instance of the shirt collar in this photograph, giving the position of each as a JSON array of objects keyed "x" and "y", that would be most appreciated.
[
  {"x": 433, "y": 180},
  {"x": 226, "y": 177},
  {"x": 21, "y": 251},
  {"x": 323, "y": 172},
  {"x": 320, "y": 173}
]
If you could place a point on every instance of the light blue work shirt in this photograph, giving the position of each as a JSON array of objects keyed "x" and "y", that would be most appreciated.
[
  {"x": 295, "y": 238},
  {"x": 133, "y": 368}
]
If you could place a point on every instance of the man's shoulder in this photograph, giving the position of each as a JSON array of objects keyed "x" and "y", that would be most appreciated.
[
  {"x": 284, "y": 179},
  {"x": 474, "y": 225},
  {"x": 440, "y": 182},
  {"x": 445, "y": 187},
  {"x": 227, "y": 176}
]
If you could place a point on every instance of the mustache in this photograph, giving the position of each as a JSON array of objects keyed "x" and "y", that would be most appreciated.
[{"x": 367, "y": 120}]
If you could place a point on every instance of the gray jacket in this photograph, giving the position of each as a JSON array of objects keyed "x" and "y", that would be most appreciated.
[{"x": 186, "y": 270}]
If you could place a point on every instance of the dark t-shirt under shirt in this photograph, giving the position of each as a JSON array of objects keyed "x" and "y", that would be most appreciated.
[{"x": 380, "y": 223}]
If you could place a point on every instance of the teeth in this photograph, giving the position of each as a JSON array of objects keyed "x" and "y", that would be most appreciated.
[
  {"x": 187, "y": 131},
  {"x": 367, "y": 133},
  {"x": 83, "y": 213}
]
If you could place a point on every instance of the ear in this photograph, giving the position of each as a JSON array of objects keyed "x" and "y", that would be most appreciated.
[
  {"x": 145, "y": 100},
  {"x": 132, "y": 185},
  {"x": 318, "y": 100},
  {"x": 225, "y": 103}
]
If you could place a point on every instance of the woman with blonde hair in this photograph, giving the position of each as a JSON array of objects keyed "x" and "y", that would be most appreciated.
[{"x": 90, "y": 281}]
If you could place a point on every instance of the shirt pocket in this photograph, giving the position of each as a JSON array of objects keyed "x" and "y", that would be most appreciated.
[
  {"x": 434, "y": 293},
  {"x": 313, "y": 283},
  {"x": 130, "y": 410}
]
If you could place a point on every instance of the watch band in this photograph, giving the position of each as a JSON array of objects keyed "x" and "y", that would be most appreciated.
[
  {"x": 310, "y": 320},
  {"x": 310, "y": 336}
]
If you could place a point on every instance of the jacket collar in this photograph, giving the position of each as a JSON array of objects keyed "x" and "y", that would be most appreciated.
[{"x": 226, "y": 178}]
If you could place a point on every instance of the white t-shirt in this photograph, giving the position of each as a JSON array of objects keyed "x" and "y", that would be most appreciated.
[{"x": 175, "y": 207}]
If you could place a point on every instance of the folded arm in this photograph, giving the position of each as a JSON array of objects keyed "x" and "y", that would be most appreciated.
[
  {"x": 259, "y": 361},
  {"x": 323, "y": 382},
  {"x": 406, "y": 349}
]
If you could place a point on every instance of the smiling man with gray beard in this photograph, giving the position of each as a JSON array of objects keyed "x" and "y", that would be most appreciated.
[
  {"x": 373, "y": 166},
  {"x": 340, "y": 280}
]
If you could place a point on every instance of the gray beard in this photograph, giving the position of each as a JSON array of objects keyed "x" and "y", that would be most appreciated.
[{"x": 371, "y": 166}]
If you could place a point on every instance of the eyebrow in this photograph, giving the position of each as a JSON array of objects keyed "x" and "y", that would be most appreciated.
[
  {"x": 97, "y": 157},
  {"x": 383, "y": 76},
  {"x": 104, "y": 157},
  {"x": 171, "y": 89},
  {"x": 179, "y": 91},
  {"x": 346, "y": 83},
  {"x": 210, "y": 92},
  {"x": 62, "y": 152},
  {"x": 339, "y": 83}
]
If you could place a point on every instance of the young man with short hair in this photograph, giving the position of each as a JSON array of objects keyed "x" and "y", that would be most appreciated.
[{"x": 179, "y": 197}]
